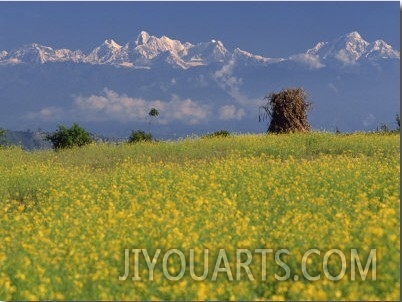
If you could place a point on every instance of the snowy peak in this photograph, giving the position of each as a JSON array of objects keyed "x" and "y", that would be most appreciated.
[
  {"x": 145, "y": 51},
  {"x": 347, "y": 48},
  {"x": 350, "y": 48},
  {"x": 352, "y": 41},
  {"x": 111, "y": 44},
  {"x": 248, "y": 58},
  {"x": 218, "y": 50},
  {"x": 317, "y": 48},
  {"x": 39, "y": 54},
  {"x": 207, "y": 52},
  {"x": 108, "y": 52},
  {"x": 148, "y": 51},
  {"x": 352, "y": 36},
  {"x": 3, "y": 54},
  {"x": 150, "y": 46},
  {"x": 143, "y": 38},
  {"x": 33, "y": 53},
  {"x": 64, "y": 55},
  {"x": 381, "y": 50}
]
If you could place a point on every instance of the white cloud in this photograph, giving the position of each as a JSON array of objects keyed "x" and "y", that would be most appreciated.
[
  {"x": 369, "y": 120},
  {"x": 226, "y": 70},
  {"x": 230, "y": 112},
  {"x": 120, "y": 107},
  {"x": 227, "y": 80},
  {"x": 47, "y": 114},
  {"x": 333, "y": 87},
  {"x": 186, "y": 110},
  {"x": 232, "y": 84},
  {"x": 110, "y": 106},
  {"x": 344, "y": 57},
  {"x": 312, "y": 61}
]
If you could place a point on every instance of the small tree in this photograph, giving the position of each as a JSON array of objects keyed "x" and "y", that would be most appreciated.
[
  {"x": 398, "y": 122},
  {"x": 64, "y": 137},
  {"x": 139, "y": 136},
  {"x": 287, "y": 111},
  {"x": 153, "y": 113}
]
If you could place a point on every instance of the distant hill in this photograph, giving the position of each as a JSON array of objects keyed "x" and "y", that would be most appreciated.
[{"x": 27, "y": 140}]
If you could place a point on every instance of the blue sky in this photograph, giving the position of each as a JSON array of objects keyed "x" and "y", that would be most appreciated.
[{"x": 267, "y": 28}]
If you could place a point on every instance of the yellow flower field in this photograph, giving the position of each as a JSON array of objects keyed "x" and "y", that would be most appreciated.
[{"x": 68, "y": 218}]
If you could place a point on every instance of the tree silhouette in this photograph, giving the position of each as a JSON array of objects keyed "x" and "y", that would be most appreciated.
[{"x": 153, "y": 113}]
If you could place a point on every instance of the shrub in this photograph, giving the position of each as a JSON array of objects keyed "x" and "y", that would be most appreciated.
[
  {"x": 64, "y": 137},
  {"x": 139, "y": 136},
  {"x": 220, "y": 133}
]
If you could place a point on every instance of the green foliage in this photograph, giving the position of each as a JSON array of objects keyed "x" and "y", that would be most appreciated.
[
  {"x": 139, "y": 136},
  {"x": 153, "y": 112},
  {"x": 220, "y": 133},
  {"x": 398, "y": 122},
  {"x": 64, "y": 138}
]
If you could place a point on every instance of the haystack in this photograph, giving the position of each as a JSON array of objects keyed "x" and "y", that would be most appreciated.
[{"x": 287, "y": 111}]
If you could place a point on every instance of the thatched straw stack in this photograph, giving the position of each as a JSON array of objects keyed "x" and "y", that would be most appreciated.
[{"x": 287, "y": 111}]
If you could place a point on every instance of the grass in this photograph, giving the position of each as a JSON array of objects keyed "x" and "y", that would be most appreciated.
[{"x": 69, "y": 216}]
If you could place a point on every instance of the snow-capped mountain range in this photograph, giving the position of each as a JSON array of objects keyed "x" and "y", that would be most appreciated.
[
  {"x": 352, "y": 47},
  {"x": 147, "y": 49},
  {"x": 197, "y": 87}
]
